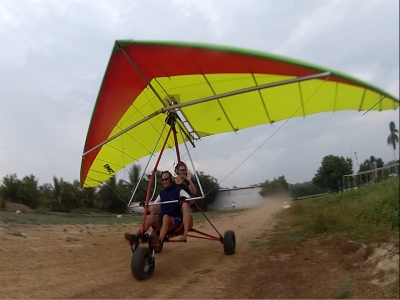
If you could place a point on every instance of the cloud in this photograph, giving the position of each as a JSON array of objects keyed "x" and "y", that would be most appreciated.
[{"x": 54, "y": 54}]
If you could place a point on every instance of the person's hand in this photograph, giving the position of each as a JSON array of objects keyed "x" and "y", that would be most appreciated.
[{"x": 189, "y": 176}]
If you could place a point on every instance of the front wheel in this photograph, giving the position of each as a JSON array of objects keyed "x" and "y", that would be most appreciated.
[
  {"x": 229, "y": 242},
  {"x": 142, "y": 264}
]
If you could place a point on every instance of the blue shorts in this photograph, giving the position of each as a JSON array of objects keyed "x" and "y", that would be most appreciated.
[{"x": 174, "y": 222}]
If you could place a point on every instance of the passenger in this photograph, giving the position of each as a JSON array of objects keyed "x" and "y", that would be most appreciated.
[
  {"x": 170, "y": 214},
  {"x": 184, "y": 181}
]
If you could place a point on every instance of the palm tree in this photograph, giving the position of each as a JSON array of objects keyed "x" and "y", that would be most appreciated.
[
  {"x": 134, "y": 176},
  {"x": 393, "y": 138},
  {"x": 57, "y": 190}
]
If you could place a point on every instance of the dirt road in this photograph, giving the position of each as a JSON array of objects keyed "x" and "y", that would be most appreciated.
[{"x": 93, "y": 261}]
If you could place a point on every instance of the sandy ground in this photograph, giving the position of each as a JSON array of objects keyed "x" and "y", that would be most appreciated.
[{"x": 93, "y": 261}]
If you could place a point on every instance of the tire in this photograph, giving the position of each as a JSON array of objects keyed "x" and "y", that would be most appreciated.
[
  {"x": 142, "y": 265},
  {"x": 229, "y": 242}
]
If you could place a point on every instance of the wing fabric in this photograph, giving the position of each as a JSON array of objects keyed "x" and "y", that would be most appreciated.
[{"x": 145, "y": 77}]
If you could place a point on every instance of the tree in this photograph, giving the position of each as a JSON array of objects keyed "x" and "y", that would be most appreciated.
[
  {"x": 305, "y": 189},
  {"x": 57, "y": 190},
  {"x": 393, "y": 138},
  {"x": 277, "y": 186},
  {"x": 141, "y": 191},
  {"x": 366, "y": 166},
  {"x": 110, "y": 196},
  {"x": 331, "y": 171},
  {"x": 29, "y": 192},
  {"x": 25, "y": 191},
  {"x": 10, "y": 190},
  {"x": 210, "y": 188}
]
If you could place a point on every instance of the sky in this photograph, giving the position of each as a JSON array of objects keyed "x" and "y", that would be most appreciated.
[{"x": 53, "y": 56}]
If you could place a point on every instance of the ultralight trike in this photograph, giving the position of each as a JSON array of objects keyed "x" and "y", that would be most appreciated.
[{"x": 146, "y": 245}]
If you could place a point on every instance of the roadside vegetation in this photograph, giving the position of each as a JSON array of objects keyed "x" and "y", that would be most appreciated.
[
  {"x": 112, "y": 196},
  {"x": 369, "y": 214},
  {"x": 88, "y": 216}
]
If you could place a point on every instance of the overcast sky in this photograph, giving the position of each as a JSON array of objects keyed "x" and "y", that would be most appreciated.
[{"x": 53, "y": 55}]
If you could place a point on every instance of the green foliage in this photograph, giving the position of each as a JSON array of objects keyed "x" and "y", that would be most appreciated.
[
  {"x": 204, "y": 271},
  {"x": 109, "y": 196},
  {"x": 366, "y": 165},
  {"x": 9, "y": 190},
  {"x": 343, "y": 291},
  {"x": 305, "y": 189},
  {"x": 134, "y": 177},
  {"x": 23, "y": 191},
  {"x": 56, "y": 218},
  {"x": 56, "y": 192},
  {"x": 257, "y": 244},
  {"x": 368, "y": 213},
  {"x": 331, "y": 171},
  {"x": 277, "y": 186},
  {"x": 393, "y": 138},
  {"x": 210, "y": 188}
]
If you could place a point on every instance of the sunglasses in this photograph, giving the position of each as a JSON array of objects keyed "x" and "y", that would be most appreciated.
[{"x": 164, "y": 179}]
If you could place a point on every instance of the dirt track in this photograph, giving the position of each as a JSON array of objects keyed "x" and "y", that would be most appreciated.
[{"x": 93, "y": 261}]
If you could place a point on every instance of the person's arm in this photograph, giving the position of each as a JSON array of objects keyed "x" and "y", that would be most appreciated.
[
  {"x": 191, "y": 185},
  {"x": 158, "y": 199},
  {"x": 153, "y": 202},
  {"x": 183, "y": 194}
]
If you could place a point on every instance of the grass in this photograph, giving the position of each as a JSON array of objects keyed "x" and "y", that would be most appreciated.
[
  {"x": 84, "y": 216},
  {"x": 192, "y": 280},
  {"x": 66, "y": 218},
  {"x": 257, "y": 244},
  {"x": 343, "y": 291},
  {"x": 71, "y": 239},
  {"x": 17, "y": 233},
  {"x": 216, "y": 213},
  {"x": 368, "y": 214},
  {"x": 204, "y": 271}
]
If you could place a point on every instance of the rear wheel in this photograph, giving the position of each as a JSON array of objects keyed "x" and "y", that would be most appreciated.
[
  {"x": 229, "y": 242},
  {"x": 142, "y": 264}
]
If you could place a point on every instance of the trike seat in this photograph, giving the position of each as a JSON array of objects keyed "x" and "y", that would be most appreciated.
[{"x": 178, "y": 230}]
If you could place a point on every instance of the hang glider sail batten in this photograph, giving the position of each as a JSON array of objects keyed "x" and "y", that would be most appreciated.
[{"x": 143, "y": 79}]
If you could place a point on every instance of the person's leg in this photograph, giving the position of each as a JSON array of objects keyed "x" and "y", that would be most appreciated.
[
  {"x": 186, "y": 220},
  {"x": 155, "y": 209},
  {"x": 151, "y": 219},
  {"x": 164, "y": 227},
  {"x": 154, "y": 212}
]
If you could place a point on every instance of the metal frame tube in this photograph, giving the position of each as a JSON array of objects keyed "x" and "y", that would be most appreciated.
[
  {"x": 195, "y": 172},
  {"x": 153, "y": 174},
  {"x": 206, "y": 99},
  {"x": 148, "y": 162}
]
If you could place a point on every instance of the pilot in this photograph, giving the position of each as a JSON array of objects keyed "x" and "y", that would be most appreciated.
[{"x": 170, "y": 214}]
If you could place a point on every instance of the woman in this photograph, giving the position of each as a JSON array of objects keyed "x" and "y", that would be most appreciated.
[{"x": 184, "y": 181}]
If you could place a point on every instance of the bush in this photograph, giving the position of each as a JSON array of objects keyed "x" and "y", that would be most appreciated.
[{"x": 369, "y": 213}]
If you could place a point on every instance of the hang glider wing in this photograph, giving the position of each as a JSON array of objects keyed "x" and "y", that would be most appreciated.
[{"x": 213, "y": 90}]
